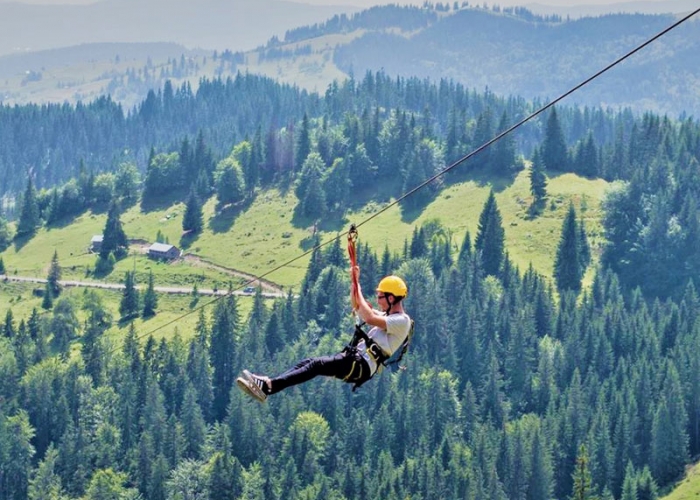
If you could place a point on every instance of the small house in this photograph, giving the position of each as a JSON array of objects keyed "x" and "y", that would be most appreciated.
[
  {"x": 96, "y": 243},
  {"x": 163, "y": 251}
]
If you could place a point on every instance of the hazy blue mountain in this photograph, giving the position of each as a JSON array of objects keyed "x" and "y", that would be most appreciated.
[
  {"x": 210, "y": 24},
  {"x": 658, "y": 7},
  {"x": 528, "y": 56}
]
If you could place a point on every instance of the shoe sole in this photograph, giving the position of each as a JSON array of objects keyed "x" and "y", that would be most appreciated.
[{"x": 251, "y": 389}]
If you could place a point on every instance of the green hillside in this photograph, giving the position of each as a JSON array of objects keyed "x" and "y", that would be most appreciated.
[
  {"x": 263, "y": 237},
  {"x": 689, "y": 487}
]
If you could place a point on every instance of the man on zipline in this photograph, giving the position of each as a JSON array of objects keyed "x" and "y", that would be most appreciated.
[{"x": 358, "y": 362}]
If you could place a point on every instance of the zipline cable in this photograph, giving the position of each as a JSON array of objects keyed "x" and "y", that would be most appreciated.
[{"x": 443, "y": 171}]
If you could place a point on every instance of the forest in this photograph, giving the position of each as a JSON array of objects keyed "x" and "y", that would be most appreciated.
[{"x": 514, "y": 388}]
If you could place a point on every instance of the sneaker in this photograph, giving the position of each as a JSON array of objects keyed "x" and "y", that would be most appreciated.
[{"x": 253, "y": 385}]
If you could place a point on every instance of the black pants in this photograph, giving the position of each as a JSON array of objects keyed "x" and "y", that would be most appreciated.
[{"x": 348, "y": 365}]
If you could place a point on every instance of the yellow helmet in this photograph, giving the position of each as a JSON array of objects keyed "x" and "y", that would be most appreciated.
[{"x": 393, "y": 285}]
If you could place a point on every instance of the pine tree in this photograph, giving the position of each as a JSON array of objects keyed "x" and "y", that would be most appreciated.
[
  {"x": 483, "y": 133},
  {"x": 222, "y": 352},
  {"x": 582, "y": 477},
  {"x": 490, "y": 238},
  {"x": 586, "y": 157},
  {"x": 54, "y": 275},
  {"x": 567, "y": 265},
  {"x": 129, "y": 305},
  {"x": 193, "y": 219},
  {"x": 646, "y": 486},
  {"x": 47, "y": 300},
  {"x": 503, "y": 159},
  {"x": 92, "y": 350},
  {"x": 538, "y": 179},
  {"x": 669, "y": 449},
  {"x": 113, "y": 236},
  {"x": 303, "y": 145},
  {"x": 629, "y": 485},
  {"x": 539, "y": 485},
  {"x": 193, "y": 424},
  {"x": 29, "y": 217},
  {"x": 150, "y": 299},
  {"x": 554, "y": 153}
]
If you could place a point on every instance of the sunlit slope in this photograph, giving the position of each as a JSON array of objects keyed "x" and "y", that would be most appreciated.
[{"x": 262, "y": 236}]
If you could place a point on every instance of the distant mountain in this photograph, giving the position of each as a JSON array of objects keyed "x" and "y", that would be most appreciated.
[
  {"x": 509, "y": 51},
  {"x": 209, "y": 24},
  {"x": 575, "y": 11},
  {"x": 512, "y": 54}
]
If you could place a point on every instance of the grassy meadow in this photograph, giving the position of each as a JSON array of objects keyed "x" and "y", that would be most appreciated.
[
  {"x": 688, "y": 488},
  {"x": 263, "y": 235},
  {"x": 257, "y": 238}
]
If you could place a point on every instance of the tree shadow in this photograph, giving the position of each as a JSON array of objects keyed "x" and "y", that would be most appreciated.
[
  {"x": 329, "y": 222},
  {"x": 126, "y": 320},
  {"x": 187, "y": 239},
  {"x": 226, "y": 215},
  {"x": 162, "y": 201},
  {"x": 20, "y": 241},
  {"x": 536, "y": 209},
  {"x": 481, "y": 176},
  {"x": 65, "y": 221},
  {"x": 411, "y": 209}
]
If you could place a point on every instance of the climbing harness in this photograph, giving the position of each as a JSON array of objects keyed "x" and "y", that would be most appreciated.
[{"x": 372, "y": 348}]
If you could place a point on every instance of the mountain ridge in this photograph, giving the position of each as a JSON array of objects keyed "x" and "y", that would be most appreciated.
[{"x": 211, "y": 24}]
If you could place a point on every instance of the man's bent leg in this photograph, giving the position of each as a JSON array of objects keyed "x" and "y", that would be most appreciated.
[{"x": 338, "y": 365}]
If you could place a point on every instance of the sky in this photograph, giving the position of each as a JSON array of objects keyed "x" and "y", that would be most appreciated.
[
  {"x": 370, "y": 3},
  {"x": 503, "y": 3}
]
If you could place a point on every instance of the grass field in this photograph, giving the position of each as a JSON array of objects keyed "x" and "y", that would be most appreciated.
[
  {"x": 262, "y": 236},
  {"x": 688, "y": 488}
]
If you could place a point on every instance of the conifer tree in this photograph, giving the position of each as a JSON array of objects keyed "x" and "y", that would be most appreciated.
[
  {"x": 129, "y": 305},
  {"x": 29, "y": 217},
  {"x": 503, "y": 158},
  {"x": 538, "y": 179},
  {"x": 586, "y": 157},
  {"x": 539, "y": 485},
  {"x": 629, "y": 485},
  {"x": 113, "y": 236},
  {"x": 54, "y": 275},
  {"x": 222, "y": 352},
  {"x": 303, "y": 144},
  {"x": 554, "y": 152},
  {"x": 47, "y": 300},
  {"x": 8, "y": 327},
  {"x": 646, "y": 486},
  {"x": 567, "y": 265},
  {"x": 490, "y": 238},
  {"x": 582, "y": 477},
  {"x": 150, "y": 299},
  {"x": 193, "y": 424},
  {"x": 483, "y": 133},
  {"x": 669, "y": 449},
  {"x": 193, "y": 219}
]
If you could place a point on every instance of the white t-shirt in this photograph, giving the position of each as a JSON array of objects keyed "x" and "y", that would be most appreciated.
[{"x": 398, "y": 326}]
